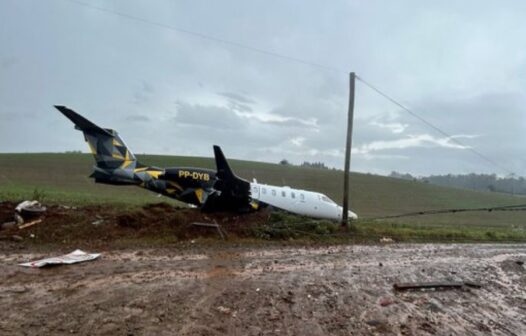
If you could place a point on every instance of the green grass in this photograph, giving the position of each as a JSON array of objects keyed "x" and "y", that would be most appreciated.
[{"x": 63, "y": 178}]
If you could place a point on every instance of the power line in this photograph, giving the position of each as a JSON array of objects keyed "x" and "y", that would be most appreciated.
[
  {"x": 291, "y": 59},
  {"x": 518, "y": 207},
  {"x": 208, "y": 37},
  {"x": 429, "y": 124}
]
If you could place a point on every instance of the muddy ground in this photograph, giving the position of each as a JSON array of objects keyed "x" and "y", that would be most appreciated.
[{"x": 342, "y": 290}]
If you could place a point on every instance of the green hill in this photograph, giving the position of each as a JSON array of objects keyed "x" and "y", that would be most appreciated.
[{"x": 63, "y": 178}]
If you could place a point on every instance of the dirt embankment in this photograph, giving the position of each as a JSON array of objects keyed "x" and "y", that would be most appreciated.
[
  {"x": 103, "y": 226},
  {"x": 279, "y": 291}
]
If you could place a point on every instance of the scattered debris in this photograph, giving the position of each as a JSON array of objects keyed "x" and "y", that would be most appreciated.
[
  {"x": 97, "y": 222},
  {"x": 24, "y": 211},
  {"x": 71, "y": 258},
  {"x": 385, "y": 301},
  {"x": 30, "y": 209},
  {"x": 26, "y": 225},
  {"x": 224, "y": 310},
  {"x": 435, "y": 285},
  {"x": 386, "y": 240},
  {"x": 18, "y": 219},
  {"x": 519, "y": 262},
  {"x": 18, "y": 290},
  {"x": 221, "y": 232}
]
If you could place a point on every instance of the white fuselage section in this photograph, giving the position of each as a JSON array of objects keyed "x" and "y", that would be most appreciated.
[{"x": 301, "y": 202}]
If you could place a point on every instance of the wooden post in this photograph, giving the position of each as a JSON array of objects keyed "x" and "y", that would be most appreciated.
[{"x": 345, "y": 212}]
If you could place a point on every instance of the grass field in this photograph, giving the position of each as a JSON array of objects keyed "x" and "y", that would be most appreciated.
[{"x": 63, "y": 178}]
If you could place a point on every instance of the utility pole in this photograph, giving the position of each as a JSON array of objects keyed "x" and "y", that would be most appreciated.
[{"x": 345, "y": 213}]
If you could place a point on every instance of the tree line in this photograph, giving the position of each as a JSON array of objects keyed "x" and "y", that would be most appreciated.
[{"x": 483, "y": 182}]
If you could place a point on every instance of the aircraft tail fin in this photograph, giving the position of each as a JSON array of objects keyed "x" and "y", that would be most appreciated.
[
  {"x": 235, "y": 191},
  {"x": 223, "y": 169},
  {"x": 107, "y": 147}
]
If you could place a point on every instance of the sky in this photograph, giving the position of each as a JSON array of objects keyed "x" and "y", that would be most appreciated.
[{"x": 130, "y": 66}]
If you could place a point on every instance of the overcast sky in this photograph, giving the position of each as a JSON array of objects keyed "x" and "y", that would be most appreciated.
[{"x": 459, "y": 64}]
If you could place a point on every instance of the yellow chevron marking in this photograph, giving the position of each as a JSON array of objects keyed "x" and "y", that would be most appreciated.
[
  {"x": 92, "y": 150},
  {"x": 154, "y": 173},
  {"x": 199, "y": 194},
  {"x": 127, "y": 160},
  {"x": 117, "y": 156},
  {"x": 175, "y": 185},
  {"x": 254, "y": 205},
  {"x": 138, "y": 170},
  {"x": 116, "y": 143}
]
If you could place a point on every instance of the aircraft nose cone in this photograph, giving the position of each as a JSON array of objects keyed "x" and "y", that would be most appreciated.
[{"x": 350, "y": 214}]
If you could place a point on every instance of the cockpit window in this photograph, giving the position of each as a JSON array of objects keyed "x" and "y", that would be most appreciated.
[{"x": 327, "y": 199}]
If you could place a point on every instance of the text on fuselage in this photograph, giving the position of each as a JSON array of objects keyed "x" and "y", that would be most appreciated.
[{"x": 194, "y": 175}]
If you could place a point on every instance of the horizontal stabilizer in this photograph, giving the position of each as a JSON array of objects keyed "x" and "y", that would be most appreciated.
[{"x": 82, "y": 123}]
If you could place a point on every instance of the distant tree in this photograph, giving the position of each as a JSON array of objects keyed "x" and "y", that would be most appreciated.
[
  {"x": 396, "y": 174},
  {"x": 511, "y": 184},
  {"x": 284, "y": 162},
  {"x": 318, "y": 165}
]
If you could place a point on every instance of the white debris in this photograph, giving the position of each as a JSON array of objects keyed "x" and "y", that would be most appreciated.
[
  {"x": 71, "y": 258},
  {"x": 224, "y": 310},
  {"x": 27, "y": 205}
]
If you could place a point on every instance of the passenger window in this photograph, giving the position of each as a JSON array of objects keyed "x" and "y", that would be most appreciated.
[
  {"x": 264, "y": 190},
  {"x": 302, "y": 197},
  {"x": 273, "y": 192},
  {"x": 292, "y": 195},
  {"x": 283, "y": 193}
]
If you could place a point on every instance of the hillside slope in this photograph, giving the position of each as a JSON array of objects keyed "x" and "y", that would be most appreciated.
[{"x": 64, "y": 178}]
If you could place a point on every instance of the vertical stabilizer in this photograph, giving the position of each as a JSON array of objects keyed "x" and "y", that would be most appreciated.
[{"x": 107, "y": 147}]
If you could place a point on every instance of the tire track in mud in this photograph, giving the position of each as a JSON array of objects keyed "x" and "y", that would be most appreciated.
[{"x": 309, "y": 291}]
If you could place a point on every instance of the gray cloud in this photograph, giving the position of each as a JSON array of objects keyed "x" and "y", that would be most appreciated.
[
  {"x": 237, "y": 97},
  {"x": 207, "y": 116},
  {"x": 144, "y": 93},
  {"x": 442, "y": 59},
  {"x": 138, "y": 118}
]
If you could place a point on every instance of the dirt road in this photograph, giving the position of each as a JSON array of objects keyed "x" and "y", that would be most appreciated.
[{"x": 342, "y": 290}]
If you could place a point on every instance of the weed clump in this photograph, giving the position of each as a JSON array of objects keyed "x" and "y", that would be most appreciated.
[{"x": 285, "y": 226}]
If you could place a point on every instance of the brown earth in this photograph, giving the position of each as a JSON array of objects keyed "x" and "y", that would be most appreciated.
[
  {"x": 343, "y": 290},
  {"x": 104, "y": 226},
  {"x": 142, "y": 287}
]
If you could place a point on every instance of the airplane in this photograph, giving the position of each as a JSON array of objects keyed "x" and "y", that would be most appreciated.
[{"x": 209, "y": 190}]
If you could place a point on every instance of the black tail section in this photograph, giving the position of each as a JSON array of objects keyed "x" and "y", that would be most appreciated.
[
  {"x": 107, "y": 147},
  {"x": 223, "y": 169},
  {"x": 81, "y": 123},
  {"x": 235, "y": 191}
]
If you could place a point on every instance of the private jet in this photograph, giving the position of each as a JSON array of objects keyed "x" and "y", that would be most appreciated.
[{"x": 209, "y": 190}]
